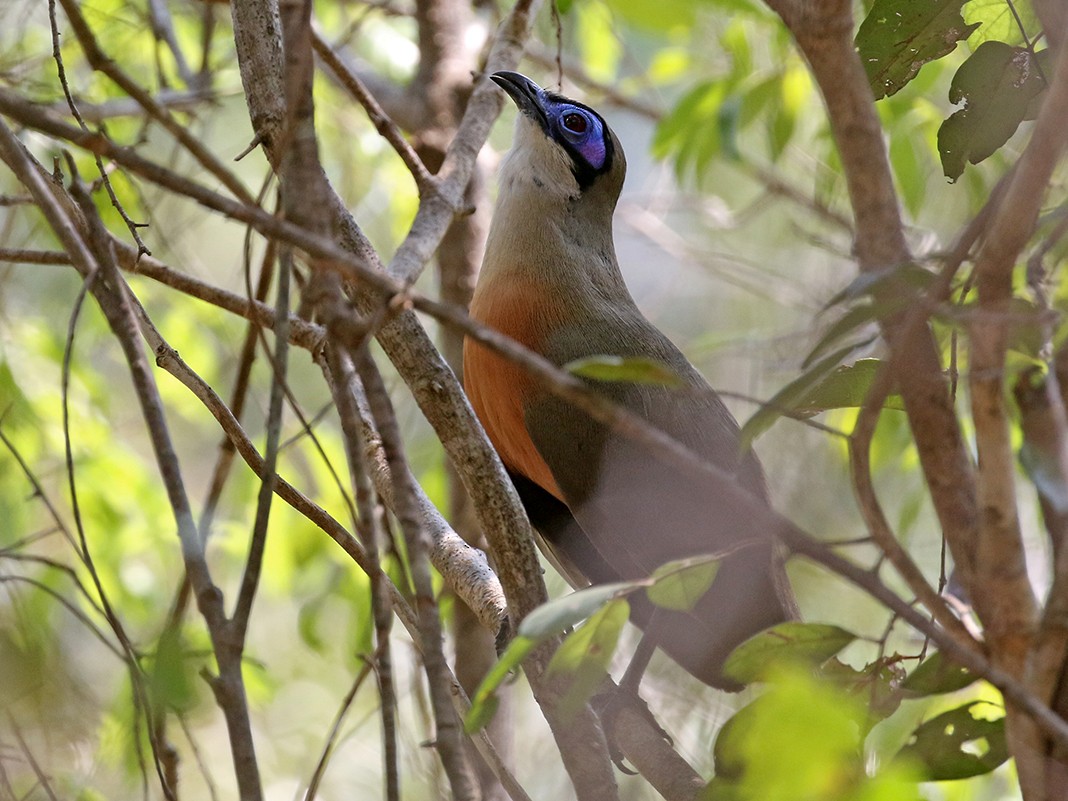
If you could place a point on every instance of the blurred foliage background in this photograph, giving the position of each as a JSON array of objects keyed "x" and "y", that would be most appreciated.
[{"x": 733, "y": 233}]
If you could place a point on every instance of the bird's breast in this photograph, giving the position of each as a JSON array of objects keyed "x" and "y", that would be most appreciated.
[{"x": 498, "y": 388}]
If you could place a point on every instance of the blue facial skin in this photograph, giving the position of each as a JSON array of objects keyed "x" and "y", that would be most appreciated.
[{"x": 579, "y": 129}]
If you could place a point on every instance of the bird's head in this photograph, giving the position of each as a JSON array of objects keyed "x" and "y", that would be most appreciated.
[{"x": 562, "y": 146}]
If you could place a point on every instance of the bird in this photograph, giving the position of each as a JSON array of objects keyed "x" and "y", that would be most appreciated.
[{"x": 607, "y": 509}]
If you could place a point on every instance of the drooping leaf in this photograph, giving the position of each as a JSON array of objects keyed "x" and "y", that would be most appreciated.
[
  {"x": 785, "y": 643},
  {"x": 996, "y": 85},
  {"x": 900, "y": 36},
  {"x": 630, "y": 369},
  {"x": 585, "y": 655},
  {"x": 679, "y": 585},
  {"x": 937, "y": 675},
  {"x": 959, "y": 744}
]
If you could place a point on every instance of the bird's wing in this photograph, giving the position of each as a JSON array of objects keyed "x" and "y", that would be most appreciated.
[{"x": 638, "y": 511}]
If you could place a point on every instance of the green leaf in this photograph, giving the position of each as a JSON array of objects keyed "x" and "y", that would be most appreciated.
[
  {"x": 631, "y": 369},
  {"x": 997, "y": 21},
  {"x": 560, "y": 614},
  {"x": 786, "y": 399},
  {"x": 173, "y": 682},
  {"x": 959, "y": 744},
  {"x": 585, "y": 655},
  {"x": 996, "y": 85},
  {"x": 937, "y": 675},
  {"x": 787, "y": 642},
  {"x": 847, "y": 387},
  {"x": 878, "y": 684},
  {"x": 484, "y": 702},
  {"x": 900, "y": 36},
  {"x": 679, "y": 585},
  {"x": 798, "y": 740}
]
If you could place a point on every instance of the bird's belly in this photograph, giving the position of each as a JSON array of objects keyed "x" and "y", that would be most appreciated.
[{"x": 498, "y": 388}]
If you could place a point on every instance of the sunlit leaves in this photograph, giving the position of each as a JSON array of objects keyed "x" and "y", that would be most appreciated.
[
  {"x": 961, "y": 743},
  {"x": 1009, "y": 21},
  {"x": 899, "y": 36},
  {"x": 996, "y": 85},
  {"x": 800, "y": 741}
]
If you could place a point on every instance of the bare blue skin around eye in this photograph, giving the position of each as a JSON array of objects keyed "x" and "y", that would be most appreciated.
[
  {"x": 589, "y": 144},
  {"x": 593, "y": 148}
]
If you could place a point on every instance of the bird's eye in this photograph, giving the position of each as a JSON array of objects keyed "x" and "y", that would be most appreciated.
[{"x": 575, "y": 123}]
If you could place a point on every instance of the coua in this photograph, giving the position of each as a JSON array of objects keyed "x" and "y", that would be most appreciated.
[{"x": 606, "y": 508}]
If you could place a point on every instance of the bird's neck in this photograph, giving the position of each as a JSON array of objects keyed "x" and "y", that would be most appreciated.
[{"x": 558, "y": 239}]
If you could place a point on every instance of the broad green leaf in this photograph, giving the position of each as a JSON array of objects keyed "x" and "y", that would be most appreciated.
[
  {"x": 585, "y": 655},
  {"x": 786, "y": 642},
  {"x": 959, "y": 744},
  {"x": 560, "y": 614},
  {"x": 630, "y": 369},
  {"x": 845, "y": 388},
  {"x": 937, "y": 675},
  {"x": 679, "y": 585},
  {"x": 900, "y": 36},
  {"x": 996, "y": 85},
  {"x": 484, "y": 702},
  {"x": 1001, "y": 22}
]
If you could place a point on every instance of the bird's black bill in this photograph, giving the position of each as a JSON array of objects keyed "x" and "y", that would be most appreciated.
[{"x": 526, "y": 94}]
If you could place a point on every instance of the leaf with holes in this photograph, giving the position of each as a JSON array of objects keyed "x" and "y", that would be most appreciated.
[
  {"x": 997, "y": 85},
  {"x": 900, "y": 36},
  {"x": 959, "y": 744},
  {"x": 787, "y": 642}
]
